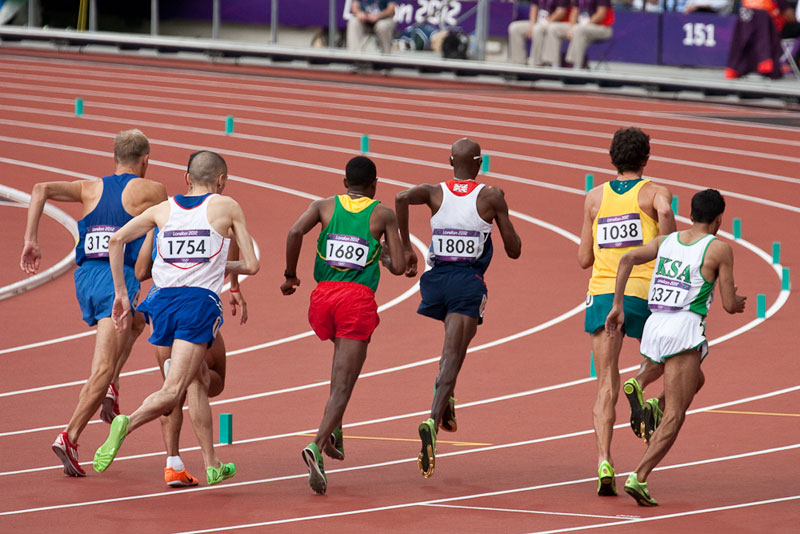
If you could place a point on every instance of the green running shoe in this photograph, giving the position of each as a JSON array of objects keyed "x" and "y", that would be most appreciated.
[
  {"x": 334, "y": 447},
  {"x": 606, "y": 487},
  {"x": 638, "y": 490},
  {"x": 651, "y": 415},
  {"x": 426, "y": 461},
  {"x": 448, "y": 423},
  {"x": 215, "y": 475},
  {"x": 316, "y": 470},
  {"x": 633, "y": 392},
  {"x": 106, "y": 453}
]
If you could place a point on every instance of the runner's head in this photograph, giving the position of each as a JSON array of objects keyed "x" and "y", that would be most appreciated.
[
  {"x": 630, "y": 150},
  {"x": 465, "y": 157},
  {"x": 707, "y": 208},
  {"x": 361, "y": 176},
  {"x": 132, "y": 150},
  {"x": 207, "y": 169}
]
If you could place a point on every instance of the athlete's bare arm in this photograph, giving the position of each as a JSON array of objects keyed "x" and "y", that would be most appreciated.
[
  {"x": 718, "y": 263},
  {"x": 236, "y": 299},
  {"x": 42, "y": 192},
  {"x": 590, "y": 207},
  {"x": 294, "y": 241},
  {"x": 144, "y": 261},
  {"x": 662, "y": 205},
  {"x": 420, "y": 194},
  {"x": 388, "y": 225},
  {"x": 248, "y": 264},
  {"x": 637, "y": 256},
  {"x": 494, "y": 198}
]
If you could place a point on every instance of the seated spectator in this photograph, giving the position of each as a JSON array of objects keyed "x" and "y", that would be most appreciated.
[
  {"x": 534, "y": 28},
  {"x": 589, "y": 21},
  {"x": 371, "y": 16},
  {"x": 755, "y": 45},
  {"x": 721, "y": 7}
]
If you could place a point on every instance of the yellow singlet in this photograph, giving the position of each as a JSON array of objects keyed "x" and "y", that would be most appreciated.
[{"x": 620, "y": 226}]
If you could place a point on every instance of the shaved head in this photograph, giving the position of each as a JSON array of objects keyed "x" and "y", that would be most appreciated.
[
  {"x": 465, "y": 157},
  {"x": 206, "y": 166}
]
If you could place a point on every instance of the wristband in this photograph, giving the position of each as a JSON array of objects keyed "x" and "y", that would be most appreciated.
[
  {"x": 287, "y": 274},
  {"x": 233, "y": 290}
]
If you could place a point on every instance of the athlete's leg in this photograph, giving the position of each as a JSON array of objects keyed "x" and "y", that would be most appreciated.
[
  {"x": 215, "y": 358},
  {"x": 200, "y": 413},
  {"x": 172, "y": 422},
  {"x": 94, "y": 391},
  {"x": 606, "y": 363},
  {"x": 681, "y": 378},
  {"x": 459, "y": 329},
  {"x": 137, "y": 327},
  {"x": 186, "y": 360},
  {"x": 348, "y": 358}
]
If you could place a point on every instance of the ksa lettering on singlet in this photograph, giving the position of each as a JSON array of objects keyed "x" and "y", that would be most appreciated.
[
  {"x": 347, "y": 251},
  {"x": 95, "y": 243},
  {"x": 671, "y": 285},
  {"x": 185, "y": 246},
  {"x": 455, "y": 245},
  {"x": 619, "y": 231}
]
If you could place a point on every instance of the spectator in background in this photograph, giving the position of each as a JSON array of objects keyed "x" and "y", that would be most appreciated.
[
  {"x": 756, "y": 46},
  {"x": 542, "y": 14},
  {"x": 589, "y": 21},
  {"x": 371, "y": 16},
  {"x": 721, "y": 7}
]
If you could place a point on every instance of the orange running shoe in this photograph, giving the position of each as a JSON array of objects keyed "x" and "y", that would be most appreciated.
[{"x": 178, "y": 479}]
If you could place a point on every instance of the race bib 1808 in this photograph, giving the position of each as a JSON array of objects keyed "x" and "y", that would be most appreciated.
[
  {"x": 185, "y": 246},
  {"x": 347, "y": 251},
  {"x": 95, "y": 244},
  {"x": 455, "y": 245},
  {"x": 619, "y": 231},
  {"x": 667, "y": 294}
]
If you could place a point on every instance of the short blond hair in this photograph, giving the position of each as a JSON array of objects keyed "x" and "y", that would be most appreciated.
[{"x": 130, "y": 146}]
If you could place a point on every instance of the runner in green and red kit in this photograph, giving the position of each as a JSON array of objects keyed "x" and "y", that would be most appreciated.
[{"x": 343, "y": 307}]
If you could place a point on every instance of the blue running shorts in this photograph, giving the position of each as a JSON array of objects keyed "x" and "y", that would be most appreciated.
[
  {"x": 193, "y": 314},
  {"x": 94, "y": 288},
  {"x": 452, "y": 289}
]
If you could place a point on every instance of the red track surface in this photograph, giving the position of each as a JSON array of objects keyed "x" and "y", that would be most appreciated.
[{"x": 521, "y": 463}]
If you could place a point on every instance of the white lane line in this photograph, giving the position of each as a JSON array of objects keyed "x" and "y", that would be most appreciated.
[
  {"x": 281, "y": 161},
  {"x": 535, "y": 512},
  {"x": 674, "y": 515},
  {"x": 328, "y": 118},
  {"x": 421, "y": 98}
]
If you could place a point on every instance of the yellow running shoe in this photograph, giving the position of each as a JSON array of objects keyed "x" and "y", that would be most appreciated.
[
  {"x": 606, "y": 486},
  {"x": 426, "y": 461}
]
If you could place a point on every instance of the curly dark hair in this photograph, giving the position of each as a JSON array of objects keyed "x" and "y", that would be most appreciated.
[
  {"x": 707, "y": 205},
  {"x": 630, "y": 149},
  {"x": 360, "y": 171}
]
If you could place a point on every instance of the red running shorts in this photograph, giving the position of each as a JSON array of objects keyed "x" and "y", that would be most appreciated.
[{"x": 343, "y": 309}]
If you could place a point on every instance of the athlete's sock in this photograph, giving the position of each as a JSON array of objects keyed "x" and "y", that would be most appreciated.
[
  {"x": 166, "y": 367},
  {"x": 176, "y": 463}
]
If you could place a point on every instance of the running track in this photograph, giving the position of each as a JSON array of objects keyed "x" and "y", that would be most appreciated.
[{"x": 523, "y": 460}]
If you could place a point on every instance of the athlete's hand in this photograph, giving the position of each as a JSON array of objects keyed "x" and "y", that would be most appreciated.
[
  {"x": 121, "y": 313},
  {"x": 237, "y": 300},
  {"x": 740, "y": 301},
  {"x": 411, "y": 262},
  {"x": 289, "y": 285},
  {"x": 31, "y": 257},
  {"x": 614, "y": 321}
]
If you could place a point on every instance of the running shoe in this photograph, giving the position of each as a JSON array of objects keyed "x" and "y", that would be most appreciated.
[
  {"x": 106, "y": 453},
  {"x": 334, "y": 447},
  {"x": 178, "y": 479},
  {"x": 316, "y": 469},
  {"x": 68, "y": 454},
  {"x": 110, "y": 407},
  {"x": 606, "y": 487},
  {"x": 633, "y": 392},
  {"x": 638, "y": 490},
  {"x": 448, "y": 423},
  {"x": 215, "y": 475},
  {"x": 651, "y": 414},
  {"x": 426, "y": 461}
]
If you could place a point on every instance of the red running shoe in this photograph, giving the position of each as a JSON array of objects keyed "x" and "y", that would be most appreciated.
[
  {"x": 110, "y": 408},
  {"x": 68, "y": 454}
]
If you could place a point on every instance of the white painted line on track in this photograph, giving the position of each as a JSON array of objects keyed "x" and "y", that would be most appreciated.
[{"x": 535, "y": 512}]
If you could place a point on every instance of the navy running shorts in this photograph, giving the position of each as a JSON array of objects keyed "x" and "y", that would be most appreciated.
[{"x": 452, "y": 289}]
